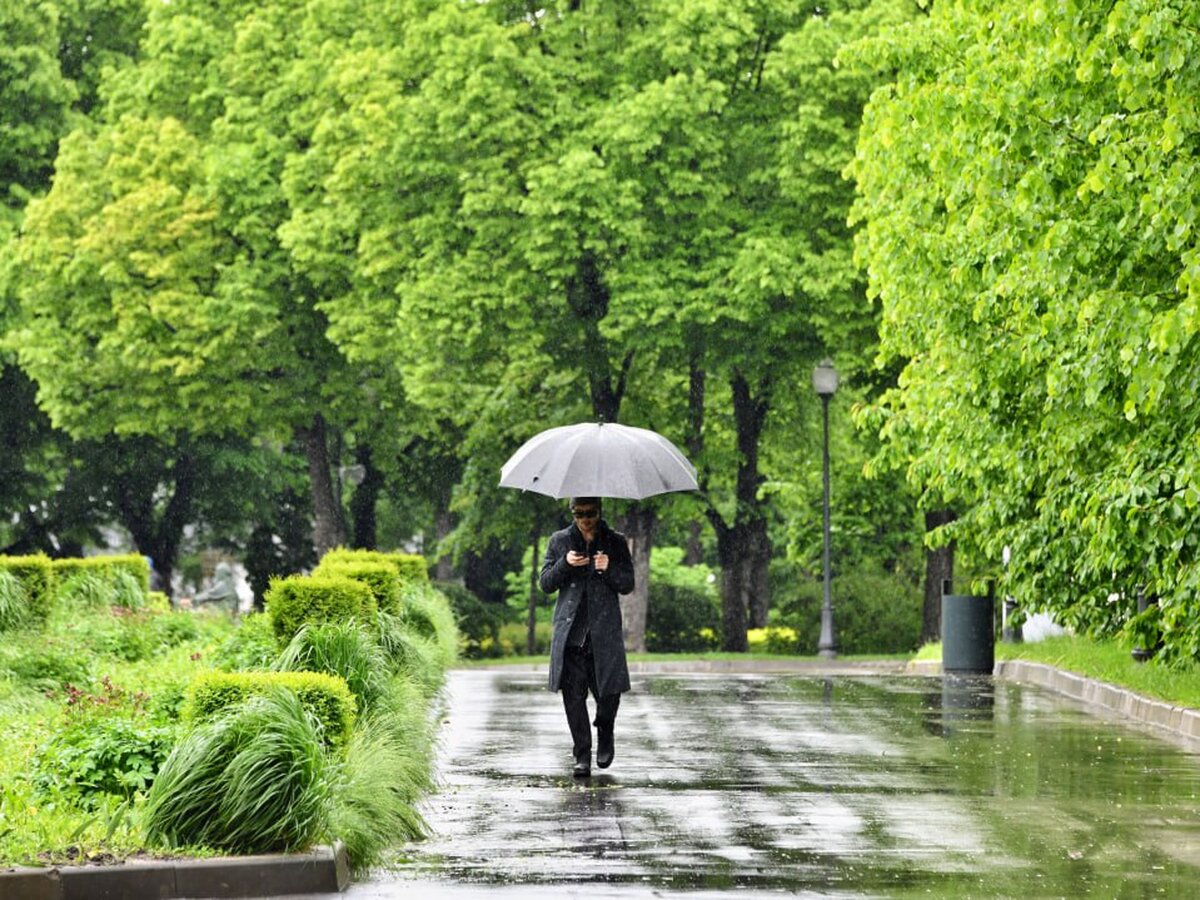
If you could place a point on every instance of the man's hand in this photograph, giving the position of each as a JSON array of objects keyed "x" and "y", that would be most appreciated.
[
  {"x": 601, "y": 561},
  {"x": 576, "y": 559}
]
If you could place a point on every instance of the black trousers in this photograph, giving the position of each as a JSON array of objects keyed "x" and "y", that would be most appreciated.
[{"x": 579, "y": 677}]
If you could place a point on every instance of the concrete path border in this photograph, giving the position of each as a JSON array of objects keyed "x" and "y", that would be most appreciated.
[
  {"x": 1180, "y": 721},
  {"x": 321, "y": 871}
]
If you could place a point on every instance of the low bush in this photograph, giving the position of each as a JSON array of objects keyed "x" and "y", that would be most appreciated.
[
  {"x": 137, "y": 568},
  {"x": 45, "y": 666},
  {"x": 772, "y": 640},
  {"x": 89, "y": 589},
  {"x": 344, "y": 649},
  {"x": 325, "y": 696},
  {"x": 111, "y": 744},
  {"x": 255, "y": 778},
  {"x": 874, "y": 612},
  {"x": 381, "y": 577},
  {"x": 292, "y": 602},
  {"x": 36, "y": 577},
  {"x": 411, "y": 567},
  {"x": 514, "y": 638},
  {"x": 681, "y": 619},
  {"x": 478, "y": 623},
  {"x": 252, "y": 646}
]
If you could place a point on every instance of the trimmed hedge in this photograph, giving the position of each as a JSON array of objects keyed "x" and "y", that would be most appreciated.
[
  {"x": 381, "y": 577},
  {"x": 326, "y": 696},
  {"x": 409, "y": 566},
  {"x": 36, "y": 577},
  {"x": 293, "y": 601},
  {"x": 135, "y": 565}
]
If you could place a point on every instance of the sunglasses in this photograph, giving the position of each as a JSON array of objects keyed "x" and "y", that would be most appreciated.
[{"x": 585, "y": 513}]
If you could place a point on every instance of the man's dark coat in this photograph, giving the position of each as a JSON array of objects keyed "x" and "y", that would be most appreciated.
[{"x": 604, "y": 609}]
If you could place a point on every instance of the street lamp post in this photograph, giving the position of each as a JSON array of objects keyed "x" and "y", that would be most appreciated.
[{"x": 825, "y": 382}]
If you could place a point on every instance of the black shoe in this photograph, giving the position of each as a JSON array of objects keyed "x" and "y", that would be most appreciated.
[
  {"x": 604, "y": 748},
  {"x": 582, "y": 770}
]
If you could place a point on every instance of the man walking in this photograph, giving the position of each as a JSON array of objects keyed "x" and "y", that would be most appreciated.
[{"x": 589, "y": 565}]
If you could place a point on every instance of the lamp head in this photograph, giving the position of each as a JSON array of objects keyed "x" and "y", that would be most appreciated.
[{"x": 825, "y": 378}]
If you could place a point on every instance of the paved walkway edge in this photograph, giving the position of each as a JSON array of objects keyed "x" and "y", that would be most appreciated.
[
  {"x": 1180, "y": 720},
  {"x": 321, "y": 871}
]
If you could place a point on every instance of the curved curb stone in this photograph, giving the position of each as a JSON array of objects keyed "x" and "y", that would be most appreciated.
[
  {"x": 1181, "y": 721},
  {"x": 321, "y": 871}
]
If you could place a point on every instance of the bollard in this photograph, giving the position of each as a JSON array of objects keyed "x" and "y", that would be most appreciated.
[{"x": 968, "y": 633}]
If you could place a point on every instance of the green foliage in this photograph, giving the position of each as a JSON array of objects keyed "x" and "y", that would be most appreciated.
[
  {"x": 374, "y": 797},
  {"x": 684, "y": 613},
  {"x": 293, "y": 601},
  {"x": 381, "y": 577},
  {"x": 109, "y": 746},
  {"x": 14, "y": 604},
  {"x": 45, "y": 666},
  {"x": 326, "y": 697},
  {"x": 96, "y": 588},
  {"x": 513, "y": 639},
  {"x": 874, "y": 612},
  {"x": 1026, "y": 191},
  {"x": 426, "y": 612},
  {"x": 478, "y": 623},
  {"x": 410, "y": 653},
  {"x": 345, "y": 649},
  {"x": 253, "y": 779},
  {"x": 136, "y": 566},
  {"x": 36, "y": 576},
  {"x": 409, "y": 566},
  {"x": 252, "y": 646}
]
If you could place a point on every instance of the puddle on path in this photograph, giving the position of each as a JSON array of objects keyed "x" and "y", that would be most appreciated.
[{"x": 856, "y": 786}]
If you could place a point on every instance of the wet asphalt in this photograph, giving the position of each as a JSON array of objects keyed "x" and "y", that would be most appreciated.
[{"x": 799, "y": 784}]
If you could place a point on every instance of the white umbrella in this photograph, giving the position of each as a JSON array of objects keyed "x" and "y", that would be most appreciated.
[{"x": 599, "y": 460}]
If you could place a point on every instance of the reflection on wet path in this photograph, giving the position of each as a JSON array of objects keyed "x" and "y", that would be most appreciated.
[{"x": 849, "y": 785}]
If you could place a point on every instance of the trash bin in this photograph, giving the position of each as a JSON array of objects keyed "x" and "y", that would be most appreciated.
[{"x": 968, "y": 633}]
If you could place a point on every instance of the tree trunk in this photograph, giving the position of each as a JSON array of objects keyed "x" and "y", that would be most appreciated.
[
  {"x": 159, "y": 538},
  {"x": 694, "y": 554},
  {"x": 443, "y": 524},
  {"x": 733, "y": 552},
  {"x": 365, "y": 500},
  {"x": 328, "y": 529},
  {"x": 939, "y": 567},
  {"x": 757, "y": 564},
  {"x": 639, "y": 524}
]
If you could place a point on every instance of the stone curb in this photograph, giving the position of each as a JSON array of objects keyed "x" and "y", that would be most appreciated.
[
  {"x": 1179, "y": 720},
  {"x": 321, "y": 871}
]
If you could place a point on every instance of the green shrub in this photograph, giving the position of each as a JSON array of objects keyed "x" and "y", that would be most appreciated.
[
  {"x": 252, "y": 646},
  {"x": 14, "y": 602},
  {"x": 48, "y": 667},
  {"x": 681, "y": 619},
  {"x": 684, "y": 609},
  {"x": 345, "y": 649},
  {"x": 773, "y": 639},
  {"x": 102, "y": 754},
  {"x": 36, "y": 575},
  {"x": 410, "y": 567},
  {"x": 381, "y": 577},
  {"x": 253, "y": 779},
  {"x": 478, "y": 623},
  {"x": 514, "y": 638},
  {"x": 874, "y": 612},
  {"x": 111, "y": 745},
  {"x": 170, "y": 629},
  {"x": 293, "y": 601},
  {"x": 135, "y": 567},
  {"x": 325, "y": 696},
  {"x": 117, "y": 632}
]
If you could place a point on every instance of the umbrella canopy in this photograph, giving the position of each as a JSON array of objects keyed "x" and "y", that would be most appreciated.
[{"x": 599, "y": 460}]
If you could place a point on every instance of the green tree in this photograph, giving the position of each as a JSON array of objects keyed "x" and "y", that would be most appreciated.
[{"x": 1029, "y": 225}]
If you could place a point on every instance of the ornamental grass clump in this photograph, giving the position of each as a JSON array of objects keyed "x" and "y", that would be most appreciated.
[
  {"x": 345, "y": 649},
  {"x": 427, "y": 612},
  {"x": 255, "y": 779},
  {"x": 410, "y": 653},
  {"x": 14, "y": 604}
]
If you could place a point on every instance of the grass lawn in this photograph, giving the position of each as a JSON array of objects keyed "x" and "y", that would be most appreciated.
[{"x": 1103, "y": 660}]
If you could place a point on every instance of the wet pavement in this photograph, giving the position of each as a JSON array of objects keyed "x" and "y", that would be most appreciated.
[{"x": 767, "y": 784}]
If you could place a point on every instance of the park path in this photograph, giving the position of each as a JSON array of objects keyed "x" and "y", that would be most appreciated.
[{"x": 839, "y": 785}]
